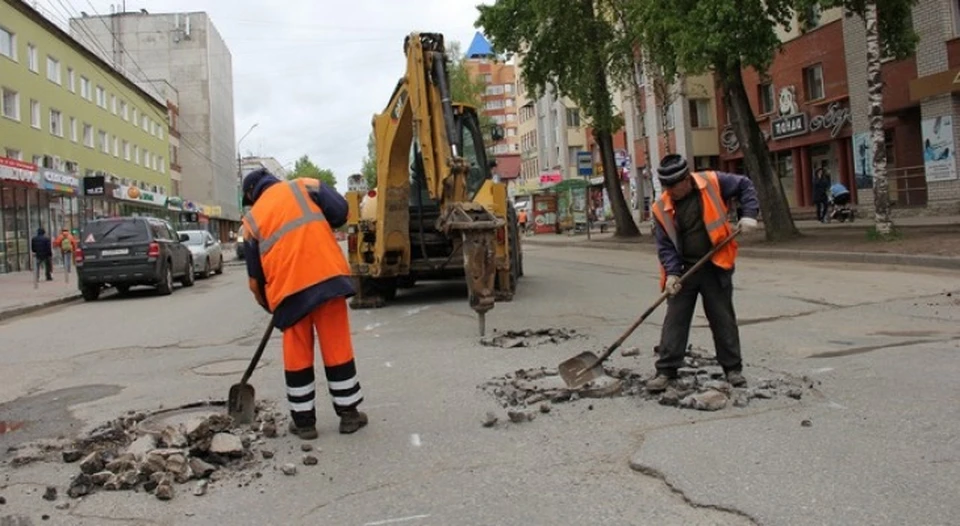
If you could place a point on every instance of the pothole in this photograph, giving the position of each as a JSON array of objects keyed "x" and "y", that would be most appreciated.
[
  {"x": 158, "y": 452},
  {"x": 226, "y": 367},
  {"x": 700, "y": 385},
  {"x": 529, "y": 337}
]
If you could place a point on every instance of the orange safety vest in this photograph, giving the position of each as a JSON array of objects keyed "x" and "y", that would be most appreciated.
[
  {"x": 298, "y": 249},
  {"x": 714, "y": 219}
]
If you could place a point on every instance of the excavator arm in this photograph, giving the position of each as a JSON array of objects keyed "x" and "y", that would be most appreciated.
[{"x": 421, "y": 111}]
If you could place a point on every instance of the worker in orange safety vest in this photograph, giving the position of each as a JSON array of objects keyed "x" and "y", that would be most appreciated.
[
  {"x": 298, "y": 272},
  {"x": 690, "y": 218}
]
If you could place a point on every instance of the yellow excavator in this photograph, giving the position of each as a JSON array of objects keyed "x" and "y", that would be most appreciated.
[{"x": 436, "y": 212}]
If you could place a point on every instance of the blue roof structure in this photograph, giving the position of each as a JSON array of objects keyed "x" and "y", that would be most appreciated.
[{"x": 480, "y": 47}]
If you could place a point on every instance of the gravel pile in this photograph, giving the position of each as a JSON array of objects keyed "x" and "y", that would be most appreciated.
[{"x": 529, "y": 338}]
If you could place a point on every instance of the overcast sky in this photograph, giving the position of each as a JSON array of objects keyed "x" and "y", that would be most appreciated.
[{"x": 309, "y": 76}]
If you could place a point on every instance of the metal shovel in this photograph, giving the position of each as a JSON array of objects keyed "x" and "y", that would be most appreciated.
[
  {"x": 585, "y": 366},
  {"x": 241, "y": 403}
]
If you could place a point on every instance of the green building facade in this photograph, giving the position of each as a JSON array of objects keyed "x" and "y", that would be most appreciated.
[{"x": 78, "y": 140}]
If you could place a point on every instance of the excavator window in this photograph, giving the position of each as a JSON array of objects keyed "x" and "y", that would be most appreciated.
[{"x": 474, "y": 154}]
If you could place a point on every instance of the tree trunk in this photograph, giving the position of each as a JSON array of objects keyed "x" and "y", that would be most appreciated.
[
  {"x": 626, "y": 227},
  {"x": 881, "y": 189},
  {"x": 777, "y": 221}
]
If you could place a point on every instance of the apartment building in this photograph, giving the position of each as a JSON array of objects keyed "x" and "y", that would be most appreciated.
[
  {"x": 186, "y": 51},
  {"x": 500, "y": 98},
  {"x": 77, "y": 139}
]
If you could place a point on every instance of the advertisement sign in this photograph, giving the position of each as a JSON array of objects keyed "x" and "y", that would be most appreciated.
[
  {"x": 548, "y": 179},
  {"x": 544, "y": 213},
  {"x": 60, "y": 181},
  {"x": 94, "y": 186},
  {"x": 584, "y": 164},
  {"x": 19, "y": 171},
  {"x": 939, "y": 155},
  {"x": 133, "y": 193},
  {"x": 863, "y": 160}
]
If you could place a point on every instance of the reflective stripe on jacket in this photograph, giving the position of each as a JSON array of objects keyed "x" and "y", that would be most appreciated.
[
  {"x": 297, "y": 246},
  {"x": 714, "y": 219}
]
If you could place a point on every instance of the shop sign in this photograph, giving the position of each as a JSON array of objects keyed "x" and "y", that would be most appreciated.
[
  {"x": 174, "y": 202},
  {"x": 789, "y": 126},
  {"x": 19, "y": 171},
  {"x": 550, "y": 178},
  {"x": 834, "y": 119},
  {"x": 132, "y": 193},
  {"x": 60, "y": 181},
  {"x": 94, "y": 185},
  {"x": 596, "y": 180}
]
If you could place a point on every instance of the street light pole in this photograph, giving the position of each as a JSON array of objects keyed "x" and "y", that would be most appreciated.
[{"x": 240, "y": 169}]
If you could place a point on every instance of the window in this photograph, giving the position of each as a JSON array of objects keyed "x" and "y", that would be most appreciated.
[
  {"x": 573, "y": 117},
  {"x": 71, "y": 81},
  {"x": 136, "y": 154},
  {"x": 53, "y": 70},
  {"x": 113, "y": 103},
  {"x": 163, "y": 168},
  {"x": 765, "y": 94},
  {"x": 56, "y": 123},
  {"x": 104, "y": 142},
  {"x": 8, "y": 44},
  {"x": 160, "y": 132},
  {"x": 666, "y": 117},
  {"x": 813, "y": 82},
  {"x": 84, "y": 87},
  {"x": 145, "y": 123},
  {"x": 101, "y": 97},
  {"x": 700, "y": 113},
  {"x": 32, "y": 58},
  {"x": 10, "y": 104},
  {"x": 116, "y": 146},
  {"x": 811, "y": 18},
  {"x": 126, "y": 151},
  {"x": 16, "y": 155},
  {"x": 87, "y": 135},
  {"x": 34, "y": 114},
  {"x": 73, "y": 129},
  {"x": 125, "y": 110},
  {"x": 146, "y": 159},
  {"x": 136, "y": 117}
]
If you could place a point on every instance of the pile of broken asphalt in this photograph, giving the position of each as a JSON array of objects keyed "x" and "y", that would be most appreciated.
[
  {"x": 126, "y": 455},
  {"x": 700, "y": 385}
]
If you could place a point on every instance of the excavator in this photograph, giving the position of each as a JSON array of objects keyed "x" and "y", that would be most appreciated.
[{"x": 436, "y": 212}]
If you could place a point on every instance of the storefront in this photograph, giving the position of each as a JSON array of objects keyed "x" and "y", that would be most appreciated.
[
  {"x": 134, "y": 201},
  {"x": 800, "y": 143}
]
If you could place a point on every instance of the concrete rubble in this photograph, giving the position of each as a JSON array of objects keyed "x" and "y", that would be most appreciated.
[
  {"x": 124, "y": 455},
  {"x": 701, "y": 385},
  {"x": 529, "y": 338}
]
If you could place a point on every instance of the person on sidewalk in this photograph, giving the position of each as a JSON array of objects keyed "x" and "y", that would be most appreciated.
[
  {"x": 67, "y": 244},
  {"x": 821, "y": 188},
  {"x": 43, "y": 253},
  {"x": 298, "y": 273},
  {"x": 690, "y": 218}
]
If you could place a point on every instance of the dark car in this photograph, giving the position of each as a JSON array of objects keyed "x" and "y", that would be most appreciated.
[{"x": 123, "y": 252}]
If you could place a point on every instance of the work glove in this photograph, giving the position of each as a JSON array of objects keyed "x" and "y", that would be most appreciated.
[
  {"x": 747, "y": 224},
  {"x": 672, "y": 287}
]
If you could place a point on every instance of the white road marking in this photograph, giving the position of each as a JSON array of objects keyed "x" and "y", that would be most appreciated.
[
  {"x": 835, "y": 405},
  {"x": 394, "y": 521},
  {"x": 371, "y": 326},
  {"x": 822, "y": 370},
  {"x": 417, "y": 310},
  {"x": 415, "y": 440}
]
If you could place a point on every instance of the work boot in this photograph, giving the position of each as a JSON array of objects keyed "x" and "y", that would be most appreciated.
[
  {"x": 305, "y": 433},
  {"x": 351, "y": 421},
  {"x": 736, "y": 379},
  {"x": 659, "y": 383}
]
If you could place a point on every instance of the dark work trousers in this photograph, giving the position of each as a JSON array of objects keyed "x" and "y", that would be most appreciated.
[
  {"x": 821, "y": 210},
  {"x": 715, "y": 286}
]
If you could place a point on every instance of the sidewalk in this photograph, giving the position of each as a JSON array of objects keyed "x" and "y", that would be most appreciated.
[
  {"x": 932, "y": 242},
  {"x": 18, "y": 295}
]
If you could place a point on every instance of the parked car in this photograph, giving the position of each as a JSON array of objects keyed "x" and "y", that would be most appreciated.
[
  {"x": 239, "y": 244},
  {"x": 123, "y": 252},
  {"x": 207, "y": 252}
]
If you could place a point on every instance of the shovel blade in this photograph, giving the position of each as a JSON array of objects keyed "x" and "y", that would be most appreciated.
[
  {"x": 581, "y": 369},
  {"x": 241, "y": 403}
]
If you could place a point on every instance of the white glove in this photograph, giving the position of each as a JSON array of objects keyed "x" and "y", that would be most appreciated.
[
  {"x": 672, "y": 287},
  {"x": 747, "y": 224}
]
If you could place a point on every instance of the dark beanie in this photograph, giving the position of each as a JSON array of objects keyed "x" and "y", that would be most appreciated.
[{"x": 672, "y": 170}]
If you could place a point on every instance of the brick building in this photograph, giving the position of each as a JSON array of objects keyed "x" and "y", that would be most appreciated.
[{"x": 500, "y": 98}]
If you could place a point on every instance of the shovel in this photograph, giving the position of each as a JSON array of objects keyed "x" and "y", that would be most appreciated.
[
  {"x": 585, "y": 366},
  {"x": 241, "y": 403}
]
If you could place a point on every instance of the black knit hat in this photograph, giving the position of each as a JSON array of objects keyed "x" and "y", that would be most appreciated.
[{"x": 673, "y": 169}]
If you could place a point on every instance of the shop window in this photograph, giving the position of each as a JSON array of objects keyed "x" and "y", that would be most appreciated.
[
  {"x": 813, "y": 82},
  {"x": 10, "y": 104},
  {"x": 766, "y": 98},
  {"x": 700, "y": 113}
]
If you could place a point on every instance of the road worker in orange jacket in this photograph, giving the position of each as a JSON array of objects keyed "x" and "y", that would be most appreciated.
[
  {"x": 690, "y": 218},
  {"x": 298, "y": 272}
]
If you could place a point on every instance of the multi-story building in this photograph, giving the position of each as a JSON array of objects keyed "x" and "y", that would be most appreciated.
[
  {"x": 499, "y": 101},
  {"x": 78, "y": 140},
  {"x": 529, "y": 179},
  {"x": 249, "y": 164},
  {"x": 187, "y": 51}
]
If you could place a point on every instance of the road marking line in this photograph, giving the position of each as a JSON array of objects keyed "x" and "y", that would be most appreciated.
[
  {"x": 415, "y": 440},
  {"x": 371, "y": 326},
  {"x": 822, "y": 370},
  {"x": 393, "y": 521},
  {"x": 417, "y": 310}
]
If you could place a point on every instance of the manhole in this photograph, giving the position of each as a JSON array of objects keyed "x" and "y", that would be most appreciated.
[
  {"x": 158, "y": 421},
  {"x": 529, "y": 338},
  {"x": 7, "y": 426},
  {"x": 226, "y": 367}
]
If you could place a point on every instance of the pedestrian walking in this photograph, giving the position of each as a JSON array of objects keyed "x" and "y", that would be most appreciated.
[
  {"x": 821, "y": 186},
  {"x": 298, "y": 272},
  {"x": 691, "y": 217},
  {"x": 67, "y": 244},
  {"x": 43, "y": 253}
]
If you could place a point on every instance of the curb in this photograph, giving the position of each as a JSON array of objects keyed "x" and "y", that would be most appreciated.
[
  {"x": 872, "y": 258},
  {"x": 20, "y": 311}
]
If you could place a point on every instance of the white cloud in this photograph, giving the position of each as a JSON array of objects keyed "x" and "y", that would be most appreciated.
[{"x": 312, "y": 73}]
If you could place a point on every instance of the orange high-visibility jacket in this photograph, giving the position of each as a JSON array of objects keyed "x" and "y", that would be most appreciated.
[
  {"x": 714, "y": 219},
  {"x": 297, "y": 246}
]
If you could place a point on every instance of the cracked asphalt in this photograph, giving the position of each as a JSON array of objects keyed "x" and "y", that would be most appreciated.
[{"x": 880, "y": 344}]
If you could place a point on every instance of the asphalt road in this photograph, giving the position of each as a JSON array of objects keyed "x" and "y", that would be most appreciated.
[{"x": 880, "y": 344}]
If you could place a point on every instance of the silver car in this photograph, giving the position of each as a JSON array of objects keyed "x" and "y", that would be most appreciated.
[{"x": 207, "y": 252}]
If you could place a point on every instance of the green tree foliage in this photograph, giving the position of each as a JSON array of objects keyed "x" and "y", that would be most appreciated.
[
  {"x": 463, "y": 88},
  {"x": 369, "y": 167},
  {"x": 572, "y": 47},
  {"x": 304, "y": 167}
]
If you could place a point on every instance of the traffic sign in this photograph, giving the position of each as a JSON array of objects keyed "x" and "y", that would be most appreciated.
[{"x": 584, "y": 164}]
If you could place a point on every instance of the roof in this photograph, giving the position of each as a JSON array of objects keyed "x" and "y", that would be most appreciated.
[
  {"x": 508, "y": 166},
  {"x": 480, "y": 47}
]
